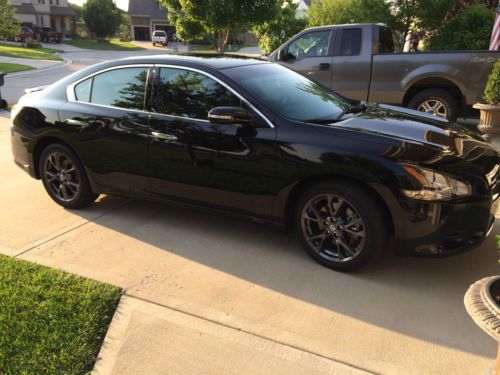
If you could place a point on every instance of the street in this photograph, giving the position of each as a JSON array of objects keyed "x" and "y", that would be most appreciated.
[{"x": 398, "y": 316}]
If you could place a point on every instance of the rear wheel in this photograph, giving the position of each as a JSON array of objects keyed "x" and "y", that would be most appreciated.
[
  {"x": 436, "y": 102},
  {"x": 64, "y": 177},
  {"x": 340, "y": 225}
]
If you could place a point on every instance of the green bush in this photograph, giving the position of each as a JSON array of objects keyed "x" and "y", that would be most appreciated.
[
  {"x": 32, "y": 43},
  {"x": 469, "y": 30},
  {"x": 492, "y": 90}
]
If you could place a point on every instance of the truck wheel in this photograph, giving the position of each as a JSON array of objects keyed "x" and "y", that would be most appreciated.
[
  {"x": 436, "y": 102},
  {"x": 340, "y": 225}
]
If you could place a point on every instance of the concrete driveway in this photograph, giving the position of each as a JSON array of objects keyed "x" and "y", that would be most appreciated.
[{"x": 398, "y": 316}]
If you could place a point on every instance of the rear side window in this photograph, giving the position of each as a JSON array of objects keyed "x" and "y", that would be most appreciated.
[
  {"x": 190, "y": 94},
  {"x": 82, "y": 90},
  {"x": 385, "y": 41},
  {"x": 350, "y": 45}
]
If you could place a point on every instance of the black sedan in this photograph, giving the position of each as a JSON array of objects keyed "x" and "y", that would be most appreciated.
[{"x": 255, "y": 139}]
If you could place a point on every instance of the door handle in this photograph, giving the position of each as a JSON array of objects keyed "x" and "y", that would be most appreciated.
[
  {"x": 74, "y": 122},
  {"x": 324, "y": 66},
  {"x": 164, "y": 137}
]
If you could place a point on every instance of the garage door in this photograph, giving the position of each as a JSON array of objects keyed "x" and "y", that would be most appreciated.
[{"x": 141, "y": 33}]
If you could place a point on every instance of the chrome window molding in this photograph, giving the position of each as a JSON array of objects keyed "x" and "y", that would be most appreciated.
[{"x": 70, "y": 90}]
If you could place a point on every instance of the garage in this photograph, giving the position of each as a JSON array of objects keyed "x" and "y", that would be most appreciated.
[{"x": 141, "y": 33}]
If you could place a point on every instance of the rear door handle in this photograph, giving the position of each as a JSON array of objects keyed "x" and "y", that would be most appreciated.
[
  {"x": 164, "y": 137},
  {"x": 324, "y": 66},
  {"x": 74, "y": 122}
]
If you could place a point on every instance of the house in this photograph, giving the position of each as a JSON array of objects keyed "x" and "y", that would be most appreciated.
[
  {"x": 303, "y": 8},
  {"x": 147, "y": 16},
  {"x": 55, "y": 14}
]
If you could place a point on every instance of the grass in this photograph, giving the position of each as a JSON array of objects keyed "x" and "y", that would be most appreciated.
[
  {"x": 28, "y": 53},
  {"x": 206, "y": 48},
  {"x": 11, "y": 68},
  {"x": 51, "y": 322},
  {"x": 114, "y": 44}
]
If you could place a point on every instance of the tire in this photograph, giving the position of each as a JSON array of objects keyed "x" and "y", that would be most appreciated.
[
  {"x": 339, "y": 223},
  {"x": 448, "y": 102},
  {"x": 76, "y": 192}
]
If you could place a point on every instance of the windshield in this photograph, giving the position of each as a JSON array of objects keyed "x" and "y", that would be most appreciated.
[{"x": 288, "y": 93}]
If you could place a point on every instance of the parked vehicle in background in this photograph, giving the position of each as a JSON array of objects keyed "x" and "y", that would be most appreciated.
[
  {"x": 46, "y": 35},
  {"x": 159, "y": 37},
  {"x": 255, "y": 139},
  {"x": 358, "y": 61},
  {"x": 25, "y": 33}
]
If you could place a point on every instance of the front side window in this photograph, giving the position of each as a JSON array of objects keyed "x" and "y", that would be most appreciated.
[
  {"x": 123, "y": 88},
  {"x": 190, "y": 94},
  {"x": 313, "y": 44}
]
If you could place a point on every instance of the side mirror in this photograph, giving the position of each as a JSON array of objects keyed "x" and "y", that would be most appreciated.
[
  {"x": 229, "y": 115},
  {"x": 282, "y": 55}
]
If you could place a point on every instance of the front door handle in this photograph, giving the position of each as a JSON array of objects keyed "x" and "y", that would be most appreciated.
[
  {"x": 324, "y": 66},
  {"x": 74, "y": 122},
  {"x": 164, "y": 137}
]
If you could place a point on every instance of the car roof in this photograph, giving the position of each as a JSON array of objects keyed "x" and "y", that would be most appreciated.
[{"x": 213, "y": 61}]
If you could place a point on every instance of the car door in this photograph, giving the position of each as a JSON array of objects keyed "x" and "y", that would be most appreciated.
[
  {"x": 351, "y": 64},
  {"x": 227, "y": 166},
  {"x": 105, "y": 119},
  {"x": 310, "y": 54}
]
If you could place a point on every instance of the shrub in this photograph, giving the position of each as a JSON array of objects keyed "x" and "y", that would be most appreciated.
[
  {"x": 492, "y": 90},
  {"x": 32, "y": 43},
  {"x": 470, "y": 29}
]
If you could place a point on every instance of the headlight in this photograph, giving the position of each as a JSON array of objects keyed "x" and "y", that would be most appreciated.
[{"x": 433, "y": 186}]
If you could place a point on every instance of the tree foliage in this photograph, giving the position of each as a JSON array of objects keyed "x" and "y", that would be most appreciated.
[
  {"x": 277, "y": 31},
  {"x": 9, "y": 25},
  {"x": 195, "y": 19},
  {"x": 492, "y": 90},
  {"x": 78, "y": 9},
  {"x": 470, "y": 29},
  {"x": 102, "y": 17}
]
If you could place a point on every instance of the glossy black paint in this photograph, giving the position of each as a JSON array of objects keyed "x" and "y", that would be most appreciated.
[{"x": 258, "y": 170}]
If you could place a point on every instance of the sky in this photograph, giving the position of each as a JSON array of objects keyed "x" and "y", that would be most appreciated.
[{"x": 122, "y": 4}]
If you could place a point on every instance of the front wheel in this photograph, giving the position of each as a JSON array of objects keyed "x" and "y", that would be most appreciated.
[
  {"x": 64, "y": 177},
  {"x": 340, "y": 225}
]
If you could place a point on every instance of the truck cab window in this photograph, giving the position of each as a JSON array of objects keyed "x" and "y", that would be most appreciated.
[
  {"x": 313, "y": 44},
  {"x": 385, "y": 41},
  {"x": 350, "y": 44}
]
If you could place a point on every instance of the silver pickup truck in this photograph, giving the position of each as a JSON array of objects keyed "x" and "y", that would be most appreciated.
[{"x": 358, "y": 61}]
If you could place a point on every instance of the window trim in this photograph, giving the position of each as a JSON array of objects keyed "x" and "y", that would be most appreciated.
[{"x": 70, "y": 90}]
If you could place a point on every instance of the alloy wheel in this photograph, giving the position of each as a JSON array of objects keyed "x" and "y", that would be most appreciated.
[
  {"x": 433, "y": 107},
  {"x": 333, "y": 228},
  {"x": 61, "y": 176}
]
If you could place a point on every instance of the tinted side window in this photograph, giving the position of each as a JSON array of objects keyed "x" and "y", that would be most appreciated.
[
  {"x": 350, "y": 44},
  {"x": 385, "y": 42},
  {"x": 124, "y": 88},
  {"x": 190, "y": 94},
  {"x": 82, "y": 90},
  {"x": 313, "y": 44}
]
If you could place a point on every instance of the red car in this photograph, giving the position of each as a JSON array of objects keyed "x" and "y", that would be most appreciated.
[{"x": 25, "y": 33}]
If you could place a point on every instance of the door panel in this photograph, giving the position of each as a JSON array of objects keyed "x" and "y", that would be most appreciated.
[
  {"x": 226, "y": 165},
  {"x": 106, "y": 123},
  {"x": 351, "y": 64},
  {"x": 310, "y": 55}
]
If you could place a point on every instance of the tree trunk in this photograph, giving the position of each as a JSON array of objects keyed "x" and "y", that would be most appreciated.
[{"x": 223, "y": 37}]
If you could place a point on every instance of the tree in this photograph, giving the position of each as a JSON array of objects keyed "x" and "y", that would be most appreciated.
[
  {"x": 470, "y": 29},
  {"x": 102, "y": 17},
  {"x": 277, "y": 31},
  {"x": 78, "y": 9},
  {"x": 9, "y": 26},
  {"x": 195, "y": 19}
]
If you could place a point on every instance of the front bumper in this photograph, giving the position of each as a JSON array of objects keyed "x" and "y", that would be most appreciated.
[{"x": 446, "y": 228}]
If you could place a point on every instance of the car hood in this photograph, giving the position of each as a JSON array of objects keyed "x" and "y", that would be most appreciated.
[{"x": 424, "y": 139}]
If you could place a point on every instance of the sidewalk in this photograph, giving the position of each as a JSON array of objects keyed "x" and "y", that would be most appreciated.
[{"x": 145, "y": 338}]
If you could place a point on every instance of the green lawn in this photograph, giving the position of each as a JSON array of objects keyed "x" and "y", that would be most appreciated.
[
  {"x": 51, "y": 322},
  {"x": 11, "y": 68},
  {"x": 28, "y": 53},
  {"x": 206, "y": 48},
  {"x": 114, "y": 44}
]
